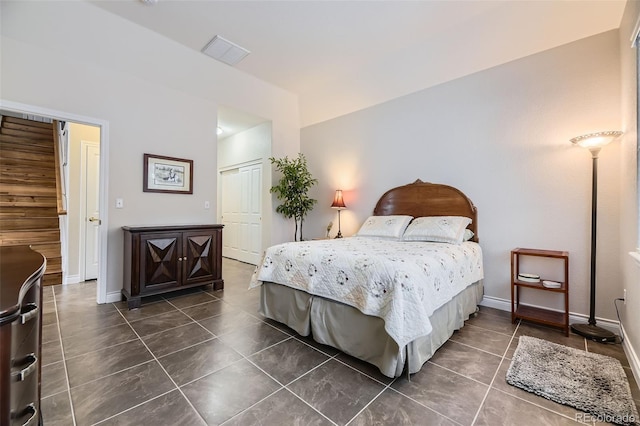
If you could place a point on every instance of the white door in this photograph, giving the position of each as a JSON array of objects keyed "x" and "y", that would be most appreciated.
[
  {"x": 230, "y": 209},
  {"x": 242, "y": 213},
  {"x": 91, "y": 191}
]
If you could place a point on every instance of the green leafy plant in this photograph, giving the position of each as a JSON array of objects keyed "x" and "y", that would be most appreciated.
[{"x": 292, "y": 189}]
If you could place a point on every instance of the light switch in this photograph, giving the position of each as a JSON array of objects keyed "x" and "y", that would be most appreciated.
[
  {"x": 119, "y": 203},
  {"x": 207, "y": 205}
]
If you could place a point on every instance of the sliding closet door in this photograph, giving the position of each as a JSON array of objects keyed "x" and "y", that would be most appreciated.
[{"x": 241, "y": 213}]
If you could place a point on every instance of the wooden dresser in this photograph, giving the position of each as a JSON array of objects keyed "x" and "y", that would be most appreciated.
[
  {"x": 159, "y": 259},
  {"x": 21, "y": 271}
]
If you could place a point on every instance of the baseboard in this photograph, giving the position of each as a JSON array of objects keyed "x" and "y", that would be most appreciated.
[
  {"x": 71, "y": 279},
  {"x": 505, "y": 305},
  {"x": 632, "y": 356},
  {"x": 496, "y": 303},
  {"x": 113, "y": 297}
]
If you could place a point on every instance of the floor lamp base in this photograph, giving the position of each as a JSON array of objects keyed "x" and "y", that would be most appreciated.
[{"x": 593, "y": 332}]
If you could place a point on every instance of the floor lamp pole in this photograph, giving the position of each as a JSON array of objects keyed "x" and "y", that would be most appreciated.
[
  {"x": 594, "y": 225},
  {"x": 591, "y": 330}
]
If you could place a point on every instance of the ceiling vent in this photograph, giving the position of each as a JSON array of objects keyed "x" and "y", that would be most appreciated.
[{"x": 225, "y": 51}]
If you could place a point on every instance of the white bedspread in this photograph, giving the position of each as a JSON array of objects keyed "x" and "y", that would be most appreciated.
[{"x": 401, "y": 282}]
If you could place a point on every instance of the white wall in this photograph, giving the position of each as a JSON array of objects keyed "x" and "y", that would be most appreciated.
[
  {"x": 244, "y": 147},
  {"x": 502, "y": 137},
  {"x": 156, "y": 96},
  {"x": 630, "y": 277}
]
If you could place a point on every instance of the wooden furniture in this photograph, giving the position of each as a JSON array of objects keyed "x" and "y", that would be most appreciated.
[
  {"x": 422, "y": 199},
  {"x": 159, "y": 259},
  {"x": 21, "y": 271},
  {"x": 535, "y": 314},
  {"x": 364, "y": 336}
]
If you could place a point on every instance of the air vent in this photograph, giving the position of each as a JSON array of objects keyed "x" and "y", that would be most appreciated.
[{"x": 225, "y": 51}]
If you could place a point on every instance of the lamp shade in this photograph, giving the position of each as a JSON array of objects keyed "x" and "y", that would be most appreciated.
[
  {"x": 595, "y": 141},
  {"x": 338, "y": 202}
]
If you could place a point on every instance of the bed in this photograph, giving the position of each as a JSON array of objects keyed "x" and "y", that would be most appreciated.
[{"x": 387, "y": 302}]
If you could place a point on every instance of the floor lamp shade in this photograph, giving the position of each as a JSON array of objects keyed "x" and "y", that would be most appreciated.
[
  {"x": 338, "y": 203},
  {"x": 594, "y": 142}
]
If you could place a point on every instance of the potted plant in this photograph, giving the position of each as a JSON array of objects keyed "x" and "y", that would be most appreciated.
[{"x": 292, "y": 189}]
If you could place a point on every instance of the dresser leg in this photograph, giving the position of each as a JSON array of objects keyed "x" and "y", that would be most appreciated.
[{"x": 133, "y": 303}]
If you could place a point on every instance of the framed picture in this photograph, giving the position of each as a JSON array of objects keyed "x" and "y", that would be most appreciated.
[{"x": 167, "y": 174}]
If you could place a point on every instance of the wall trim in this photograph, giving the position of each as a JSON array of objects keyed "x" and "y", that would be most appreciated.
[
  {"x": 635, "y": 255},
  {"x": 72, "y": 279},
  {"x": 632, "y": 356},
  {"x": 114, "y": 297},
  {"x": 505, "y": 305}
]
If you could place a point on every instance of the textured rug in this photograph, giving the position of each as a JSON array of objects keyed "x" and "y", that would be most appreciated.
[{"x": 593, "y": 383}]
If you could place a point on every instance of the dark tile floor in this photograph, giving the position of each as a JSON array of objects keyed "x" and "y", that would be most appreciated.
[{"x": 205, "y": 357}]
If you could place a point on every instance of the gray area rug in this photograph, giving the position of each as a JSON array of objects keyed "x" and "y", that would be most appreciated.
[{"x": 593, "y": 383}]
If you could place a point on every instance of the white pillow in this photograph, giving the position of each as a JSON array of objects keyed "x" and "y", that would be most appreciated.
[
  {"x": 468, "y": 234},
  {"x": 384, "y": 226},
  {"x": 441, "y": 229}
]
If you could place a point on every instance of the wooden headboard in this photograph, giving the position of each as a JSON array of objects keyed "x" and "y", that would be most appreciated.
[{"x": 419, "y": 199}]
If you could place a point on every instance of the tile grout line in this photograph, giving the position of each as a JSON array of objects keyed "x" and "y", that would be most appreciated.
[
  {"x": 282, "y": 387},
  {"x": 241, "y": 308},
  {"x": 540, "y": 406},
  {"x": 495, "y": 374},
  {"x": 64, "y": 360},
  {"x": 487, "y": 329},
  {"x": 134, "y": 407},
  {"x": 425, "y": 406},
  {"x": 192, "y": 319},
  {"x": 112, "y": 374},
  {"x": 298, "y": 378},
  {"x": 473, "y": 347},
  {"x": 289, "y": 337},
  {"x": 456, "y": 373},
  {"x": 369, "y": 403},
  {"x": 165, "y": 372},
  {"x": 97, "y": 350}
]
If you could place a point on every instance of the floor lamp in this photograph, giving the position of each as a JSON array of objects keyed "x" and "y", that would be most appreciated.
[
  {"x": 338, "y": 203},
  {"x": 594, "y": 143}
]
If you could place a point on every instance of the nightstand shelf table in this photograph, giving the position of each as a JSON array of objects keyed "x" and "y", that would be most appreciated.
[{"x": 532, "y": 313}]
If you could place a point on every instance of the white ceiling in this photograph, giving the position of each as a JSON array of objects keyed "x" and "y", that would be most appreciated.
[{"x": 342, "y": 56}]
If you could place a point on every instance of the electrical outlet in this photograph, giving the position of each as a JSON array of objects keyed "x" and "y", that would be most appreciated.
[{"x": 624, "y": 296}]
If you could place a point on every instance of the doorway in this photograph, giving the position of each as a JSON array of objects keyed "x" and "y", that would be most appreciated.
[
  {"x": 244, "y": 180},
  {"x": 241, "y": 207},
  {"x": 102, "y": 129}
]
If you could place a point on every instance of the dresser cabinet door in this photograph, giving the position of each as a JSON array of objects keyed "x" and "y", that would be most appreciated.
[
  {"x": 161, "y": 265},
  {"x": 199, "y": 256}
]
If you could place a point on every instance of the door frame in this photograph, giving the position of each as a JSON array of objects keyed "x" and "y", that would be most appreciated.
[
  {"x": 101, "y": 287},
  {"x": 82, "y": 262}
]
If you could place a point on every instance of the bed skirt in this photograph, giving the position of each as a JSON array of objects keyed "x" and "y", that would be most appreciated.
[{"x": 362, "y": 336}]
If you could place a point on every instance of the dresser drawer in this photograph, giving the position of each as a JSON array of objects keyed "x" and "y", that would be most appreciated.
[
  {"x": 24, "y": 389},
  {"x": 24, "y": 337},
  {"x": 23, "y": 327}
]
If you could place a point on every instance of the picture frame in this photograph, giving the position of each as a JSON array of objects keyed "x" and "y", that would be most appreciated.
[{"x": 167, "y": 174}]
